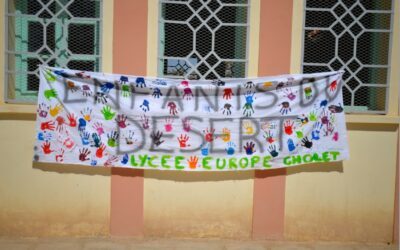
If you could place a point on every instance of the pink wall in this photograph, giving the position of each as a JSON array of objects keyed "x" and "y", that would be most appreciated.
[
  {"x": 274, "y": 59},
  {"x": 129, "y": 57}
]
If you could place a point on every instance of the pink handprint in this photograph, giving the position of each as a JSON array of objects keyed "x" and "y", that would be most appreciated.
[
  {"x": 99, "y": 128},
  {"x": 186, "y": 124},
  {"x": 168, "y": 124}
]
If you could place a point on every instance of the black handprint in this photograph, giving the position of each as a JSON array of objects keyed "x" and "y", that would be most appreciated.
[
  {"x": 272, "y": 151},
  {"x": 157, "y": 138},
  {"x": 306, "y": 142}
]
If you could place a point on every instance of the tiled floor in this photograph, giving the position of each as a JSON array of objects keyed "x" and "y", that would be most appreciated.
[{"x": 192, "y": 244}]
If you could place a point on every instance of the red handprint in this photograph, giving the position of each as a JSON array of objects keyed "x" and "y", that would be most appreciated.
[
  {"x": 333, "y": 86},
  {"x": 83, "y": 153},
  {"x": 60, "y": 157},
  {"x": 172, "y": 108},
  {"x": 183, "y": 140},
  {"x": 47, "y": 125},
  {"x": 100, "y": 150},
  {"x": 289, "y": 127},
  {"x": 209, "y": 134},
  {"x": 46, "y": 148},
  {"x": 187, "y": 93},
  {"x": 72, "y": 120},
  {"x": 192, "y": 162},
  {"x": 60, "y": 123},
  {"x": 69, "y": 143},
  {"x": 227, "y": 93},
  {"x": 121, "y": 121}
]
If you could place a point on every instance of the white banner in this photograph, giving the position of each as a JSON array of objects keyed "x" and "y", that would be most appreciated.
[{"x": 100, "y": 119}]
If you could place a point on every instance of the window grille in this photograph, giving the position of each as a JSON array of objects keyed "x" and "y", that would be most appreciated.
[
  {"x": 354, "y": 36},
  {"x": 203, "y": 39},
  {"x": 58, "y": 33}
]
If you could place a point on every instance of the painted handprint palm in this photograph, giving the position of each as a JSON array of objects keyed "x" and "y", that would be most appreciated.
[
  {"x": 156, "y": 137},
  {"x": 112, "y": 138},
  {"x": 192, "y": 162},
  {"x": 107, "y": 113},
  {"x": 183, "y": 139},
  {"x": 250, "y": 148}
]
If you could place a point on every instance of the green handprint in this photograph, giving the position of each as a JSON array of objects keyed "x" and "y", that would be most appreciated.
[
  {"x": 299, "y": 134},
  {"x": 108, "y": 115},
  {"x": 313, "y": 116},
  {"x": 112, "y": 138},
  {"x": 126, "y": 92},
  {"x": 50, "y": 93},
  {"x": 49, "y": 76}
]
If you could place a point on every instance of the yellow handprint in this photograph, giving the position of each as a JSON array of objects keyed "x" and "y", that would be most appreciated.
[
  {"x": 267, "y": 84},
  {"x": 226, "y": 135},
  {"x": 248, "y": 127},
  {"x": 54, "y": 111}
]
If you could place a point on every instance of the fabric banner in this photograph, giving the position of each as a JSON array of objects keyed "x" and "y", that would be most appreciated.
[{"x": 100, "y": 119}]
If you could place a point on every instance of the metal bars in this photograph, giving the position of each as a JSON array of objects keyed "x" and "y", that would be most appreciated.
[
  {"x": 60, "y": 33},
  {"x": 354, "y": 36},
  {"x": 203, "y": 39}
]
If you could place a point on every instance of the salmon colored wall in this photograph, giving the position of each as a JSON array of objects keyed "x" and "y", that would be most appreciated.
[
  {"x": 274, "y": 59},
  {"x": 130, "y": 43}
]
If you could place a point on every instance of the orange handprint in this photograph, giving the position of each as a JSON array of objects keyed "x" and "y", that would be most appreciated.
[
  {"x": 226, "y": 135},
  {"x": 192, "y": 162}
]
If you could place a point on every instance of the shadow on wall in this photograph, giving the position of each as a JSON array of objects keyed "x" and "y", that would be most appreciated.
[{"x": 181, "y": 176}]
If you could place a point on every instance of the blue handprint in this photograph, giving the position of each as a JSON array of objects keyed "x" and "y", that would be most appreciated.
[
  {"x": 93, "y": 162},
  {"x": 43, "y": 136},
  {"x": 157, "y": 93},
  {"x": 85, "y": 137},
  {"x": 125, "y": 159},
  {"x": 204, "y": 150},
  {"x": 323, "y": 104},
  {"x": 230, "y": 148},
  {"x": 146, "y": 105},
  {"x": 123, "y": 79},
  {"x": 61, "y": 73},
  {"x": 107, "y": 87},
  {"x": 140, "y": 82},
  {"x": 96, "y": 140},
  {"x": 316, "y": 131},
  {"x": 291, "y": 145},
  {"x": 82, "y": 124}
]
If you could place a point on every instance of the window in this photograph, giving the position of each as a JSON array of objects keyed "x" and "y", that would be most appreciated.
[
  {"x": 59, "y": 33},
  {"x": 353, "y": 36},
  {"x": 203, "y": 39}
]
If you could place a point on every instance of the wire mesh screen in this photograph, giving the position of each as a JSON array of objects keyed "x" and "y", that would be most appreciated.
[
  {"x": 60, "y": 33},
  {"x": 354, "y": 36},
  {"x": 203, "y": 39}
]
